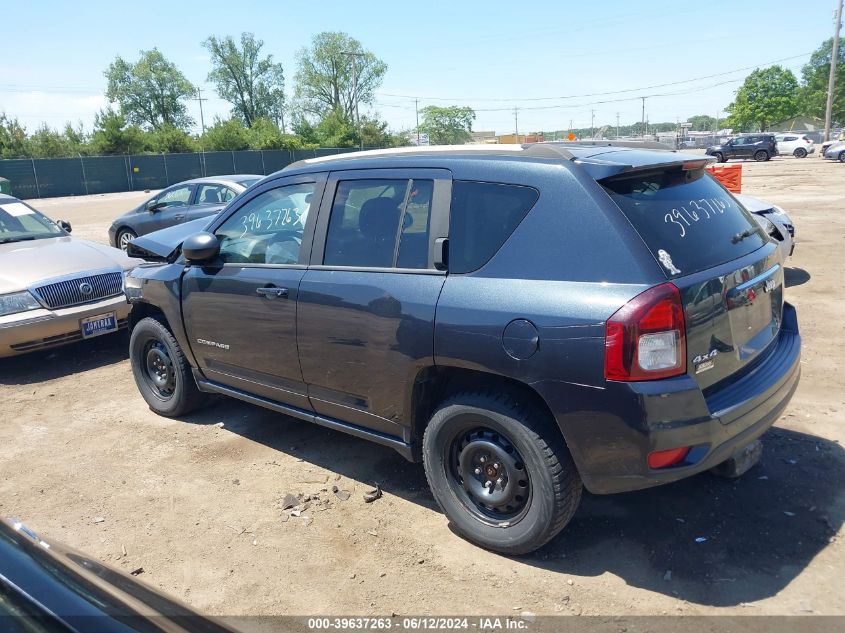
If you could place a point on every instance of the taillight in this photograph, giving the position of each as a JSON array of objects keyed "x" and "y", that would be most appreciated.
[{"x": 646, "y": 338}]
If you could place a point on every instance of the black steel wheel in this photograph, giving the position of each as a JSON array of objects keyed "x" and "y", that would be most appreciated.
[
  {"x": 161, "y": 371},
  {"x": 500, "y": 471},
  {"x": 489, "y": 476},
  {"x": 761, "y": 155}
]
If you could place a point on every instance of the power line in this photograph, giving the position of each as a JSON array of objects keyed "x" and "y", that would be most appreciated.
[{"x": 597, "y": 94}]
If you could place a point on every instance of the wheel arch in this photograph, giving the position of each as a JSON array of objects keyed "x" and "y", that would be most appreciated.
[{"x": 434, "y": 384}]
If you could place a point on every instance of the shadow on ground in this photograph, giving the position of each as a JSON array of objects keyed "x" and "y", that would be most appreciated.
[
  {"x": 795, "y": 277},
  {"x": 45, "y": 365},
  {"x": 761, "y": 530}
]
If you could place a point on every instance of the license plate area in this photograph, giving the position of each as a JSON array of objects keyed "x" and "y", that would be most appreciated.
[{"x": 98, "y": 325}]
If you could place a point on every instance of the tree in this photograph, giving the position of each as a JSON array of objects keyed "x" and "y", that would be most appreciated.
[
  {"x": 150, "y": 92},
  {"x": 229, "y": 135},
  {"x": 167, "y": 139},
  {"x": 701, "y": 122},
  {"x": 324, "y": 75},
  {"x": 253, "y": 85},
  {"x": 46, "y": 142},
  {"x": 113, "y": 135},
  {"x": 13, "y": 141},
  {"x": 815, "y": 75},
  {"x": 451, "y": 125},
  {"x": 767, "y": 95}
]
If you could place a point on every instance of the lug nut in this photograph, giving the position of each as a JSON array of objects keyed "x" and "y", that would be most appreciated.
[
  {"x": 496, "y": 465},
  {"x": 482, "y": 459},
  {"x": 500, "y": 481},
  {"x": 488, "y": 484},
  {"x": 477, "y": 471}
]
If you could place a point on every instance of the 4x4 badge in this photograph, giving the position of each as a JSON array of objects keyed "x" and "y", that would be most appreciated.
[{"x": 666, "y": 260}]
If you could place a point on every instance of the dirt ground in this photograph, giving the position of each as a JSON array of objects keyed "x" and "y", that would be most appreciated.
[{"x": 198, "y": 502}]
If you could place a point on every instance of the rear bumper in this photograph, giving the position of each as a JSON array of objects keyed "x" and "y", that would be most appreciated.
[
  {"x": 611, "y": 446},
  {"x": 42, "y": 329}
]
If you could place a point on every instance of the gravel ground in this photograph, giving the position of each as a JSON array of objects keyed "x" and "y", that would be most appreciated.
[{"x": 198, "y": 503}]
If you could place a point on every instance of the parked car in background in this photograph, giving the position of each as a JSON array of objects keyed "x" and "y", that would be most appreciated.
[
  {"x": 437, "y": 301},
  {"x": 54, "y": 288},
  {"x": 834, "y": 138},
  {"x": 799, "y": 145},
  {"x": 179, "y": 203},
  {"x": 46, "y": 587},
  {"x": 836, "y": 151},
  {"x": 760, "y": 147},
  {"x": 774, "y": 220}
]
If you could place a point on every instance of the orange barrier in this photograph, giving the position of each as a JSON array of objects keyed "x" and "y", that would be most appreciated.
[{"x": 729, "y": 175}]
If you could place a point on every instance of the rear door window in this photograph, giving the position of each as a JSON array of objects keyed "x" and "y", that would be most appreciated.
[
  {"x": 483, "y": 216},
  {"x": 688, "y": 221}
]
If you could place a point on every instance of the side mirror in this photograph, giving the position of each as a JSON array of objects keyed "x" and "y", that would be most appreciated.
[
  {"x": 153, "y": 205},
  {"x": 200, "y": 247},
  {"x": 65, "y": 226}
]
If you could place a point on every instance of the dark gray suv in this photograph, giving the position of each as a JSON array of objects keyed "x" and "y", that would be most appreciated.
[{"x": 524, "y": 320}]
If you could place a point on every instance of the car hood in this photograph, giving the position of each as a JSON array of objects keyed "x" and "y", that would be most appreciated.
[
  {"x": 23, "y": 264},
  {"x": 162, "y": 244}
]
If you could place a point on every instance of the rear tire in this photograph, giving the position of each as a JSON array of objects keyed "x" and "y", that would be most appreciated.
[
  {"x": 162, "y": 373},
  {"x": 800, "y": 152},
  {"x": 761, "y": 155},
  {"x": 480, "y": 439}
]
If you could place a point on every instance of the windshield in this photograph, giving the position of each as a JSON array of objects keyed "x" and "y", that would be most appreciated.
[
  {"x": 688, "y": 221},
  {"x": 20, "y": 222}
]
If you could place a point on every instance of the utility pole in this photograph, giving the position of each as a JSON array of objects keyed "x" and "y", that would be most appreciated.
[
  {"x": 355, "y": 57},
  {"x": 417, "y": 112},
  {"x": 831, "y": 82},
  {"x": 642, "y": 129},
  {"x": 592, "y": 124},
  {"x": 516, "y": 123},
  {"x": 617, "y": 126},
  {"x": 200, "y": 99}
]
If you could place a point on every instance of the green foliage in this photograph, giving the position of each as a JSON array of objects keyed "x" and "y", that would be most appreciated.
[
  {"x": 815, "y": 75},
  {"x": 265, "y": 134},
  {"x": 168, "y": 139},
  {"x": 13, "y": 141},
  {"x": 451, "y": 125},
  {"x": 150, "y": 92},
  {"x": 229, "y": 135},
  {"x": 767, "y": 95},
  {"x": 114, "y": 135},
  {"x": 324, "y": 75},
  {"x": 702, "y": 122},
  {"x": 46, "y": 142},
  {"x": 253, "y": 85}
]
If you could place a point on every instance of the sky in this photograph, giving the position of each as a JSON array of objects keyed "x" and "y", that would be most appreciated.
[{"x": 560, "y": 63}]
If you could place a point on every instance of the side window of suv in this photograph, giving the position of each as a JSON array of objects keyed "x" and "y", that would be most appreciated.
[
  {"x": 380, "y": 224},
  {"x": 483, "y": 215},
  {"x": 268, "y": 229}
]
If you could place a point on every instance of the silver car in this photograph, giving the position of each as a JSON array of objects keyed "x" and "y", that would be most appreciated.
[
  {"x": 774, "y": 220},
  {"x": 836, "y": 151},
  {"x": 55, "y": 289}
]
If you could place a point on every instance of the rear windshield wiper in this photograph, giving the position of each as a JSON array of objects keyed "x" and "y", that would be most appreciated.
[{"x": 736, "y": 239}]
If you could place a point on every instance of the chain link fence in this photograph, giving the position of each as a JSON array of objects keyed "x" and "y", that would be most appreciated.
[{"x": 83, "y": 175}]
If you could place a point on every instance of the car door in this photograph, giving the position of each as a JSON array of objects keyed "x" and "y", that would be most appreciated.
[
  {"x": 240, "y": 311},
  {"x": 168, "y": 208},
  {"x": 210, "y": 198},
  {"x": 739, "y": 147},
  {"x": 365, "y": 316}
]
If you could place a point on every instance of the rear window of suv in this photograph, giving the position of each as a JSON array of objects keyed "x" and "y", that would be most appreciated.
[{"x": 688, "y": 221}]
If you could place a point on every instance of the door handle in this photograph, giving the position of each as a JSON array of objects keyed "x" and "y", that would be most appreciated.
[
  {"x": 272, "y": 292},
  {"x": 181, "y": 216}
]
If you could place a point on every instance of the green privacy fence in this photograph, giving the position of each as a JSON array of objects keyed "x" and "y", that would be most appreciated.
[{"x": 51, "y": 177}]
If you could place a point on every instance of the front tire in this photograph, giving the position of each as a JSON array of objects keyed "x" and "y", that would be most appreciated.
[
  {"x": 800, "y": 152},
  {"x": 761, "y": 156},
  {"x": 123, "y": 238},
  {"x": 842, "y": 157},
  {"x": 500, "y": 472},
  {"x": 720, "y": 158},
  {"x": 162, "y": 373}
]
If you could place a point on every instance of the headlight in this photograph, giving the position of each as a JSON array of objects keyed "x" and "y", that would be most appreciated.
[{"x": 17, "y": 302}]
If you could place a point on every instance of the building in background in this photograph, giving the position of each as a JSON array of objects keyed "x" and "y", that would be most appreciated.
[{"x": 484, "y": 137}]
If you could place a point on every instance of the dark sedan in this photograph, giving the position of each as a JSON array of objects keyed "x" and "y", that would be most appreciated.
[{"x": 182, "y": 202}]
